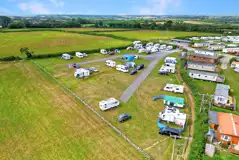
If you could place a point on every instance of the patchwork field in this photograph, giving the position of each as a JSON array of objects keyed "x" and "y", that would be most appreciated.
[
  {"x": 53, "y": 42},
  {"x": 142, "y": 128},
  {"x": 154, "y": 34},
  {"x": 40, "y": 121}
]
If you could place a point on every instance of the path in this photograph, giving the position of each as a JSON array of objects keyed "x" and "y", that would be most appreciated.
[{"x": 134, "y": 86}]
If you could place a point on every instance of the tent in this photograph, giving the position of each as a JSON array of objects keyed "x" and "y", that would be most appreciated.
[{"x": 128, "y": 57}]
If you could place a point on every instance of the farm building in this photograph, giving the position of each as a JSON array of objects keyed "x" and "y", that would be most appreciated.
[
  {"x": 235, "y": 64},
  {"x": 174, "y": 101},
  {"x": 207, "y": 76},
  {"x": 217, "y": 47},
  {"x": 128, "y": 57},
  {"x": 205, "y": 52},
  {"x": 201, "y": 44},
  {"x": 201, "y": 66},
  {"x": 226, "y": 127},
  {"x": 201, "y": 58},
  {"x": 226, "y": 50}
]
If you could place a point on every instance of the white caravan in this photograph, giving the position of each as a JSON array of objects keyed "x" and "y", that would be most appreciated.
[
  {"x": 81, "y": 55},
  {"x": 138, "y": 46},
  {"x": 157, "y": 45},
  {"x": 129, "y": 48},
  {"x": 154, "y": 49},
  {"x": 169, "y": 48},
  {"x": 142, "y": 50},
  {"x": 171, "y": 114},
  {"x": 81, "y": 73},
  {"x": 150, "y": 44},
  {"x": 174, "y": 88},
  {"x": 110, "y": 63},
  {"x": 122, "y": 68},
  {"x": 136, "y": 42},
  {"x": 168, "y": 69},
  {"x": 108, "y": 104},
  {"x": 66, "y": 56},
  {"x": 163, "y": 47},
  {"x": 103, "y": 51},
  {"x": 149, "y": 48}
]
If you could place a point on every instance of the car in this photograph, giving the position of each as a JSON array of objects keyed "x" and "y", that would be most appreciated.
[
  {"x": 124, "y": 117},
  {"x": 170, "y": 131},
  {"x": 140, "y": 66},
  {"x": 93, "y": 69},
  {"x": 163, "y": 73},
  {"x": 133, "y": 72}
]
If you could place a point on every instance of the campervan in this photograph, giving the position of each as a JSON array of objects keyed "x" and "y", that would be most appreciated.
[
  {"x": 108, "y": 104},
  {"x": 81, "y": 55},
  {"x": 103, "y": 51},
  {"x": 66, "y": 56},
  {"x": 122, "y": 68},
  {"x": 110, "y": 63},
  {"x": 174, "y": 88}
]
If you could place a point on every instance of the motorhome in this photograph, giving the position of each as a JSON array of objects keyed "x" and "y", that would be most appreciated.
[
  {"x": 122, "y": 68},
  {"x": 110, "y": 63},
  {"x": 108, "y": 104}
]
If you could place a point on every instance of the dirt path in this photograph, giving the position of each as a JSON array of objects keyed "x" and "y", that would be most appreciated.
[{"x": 192, "y": 107}]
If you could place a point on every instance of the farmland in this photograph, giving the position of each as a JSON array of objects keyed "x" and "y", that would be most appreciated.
[
  {"x": 197, "y": 22},
  {"x": 40, "y": 121},
  {"x": 44, "y": 42},
  {"x": 155, "y": 35},
  {"x": 93, "y": 29}
]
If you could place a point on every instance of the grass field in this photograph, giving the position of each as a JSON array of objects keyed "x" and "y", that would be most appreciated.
[
  {"x": 40, "y": 121},
  {"x": 142, "y": 128},
  {"x": 93, "y": 29},
  {"x": 154, "y": 35},
  {"x": 197, "y": 22},
  {"x": 53, "y": 42}
]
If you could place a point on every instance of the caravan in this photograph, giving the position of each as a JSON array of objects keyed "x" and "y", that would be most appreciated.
[
  {"x": 168, "y": 69},
  {"x": 169, "y": 48},
  {"x": 82, "y": 73},
  {"x": 136, "y": 42},
  {"x": 81, "y": 55},
  {"x": 108, "y": 104},
  {"x": 174, "y": 88},
  {"x": 172, "y": 60},
  {"x": 122, "y": 68},
  {"x": 171, "y": 114},
  {"x": 66, "y": 56},
  {"x": 103, "y": 51},
  {"x": 142, "y": 50},
  {"x": 110, "y": 63},
  {"x": 154, "y": 49},
  {"x": 163, "y": 47}
]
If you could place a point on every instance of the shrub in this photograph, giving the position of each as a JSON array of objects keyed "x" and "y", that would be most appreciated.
[{"x": 10, "y": 58}]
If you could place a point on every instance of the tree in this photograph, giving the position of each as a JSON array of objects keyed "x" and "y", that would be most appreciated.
[
  {"x": 168, "y": 24},
  {"x": 26, "y": 51},
  {"x": 16, "y": 24},
  {"x": 4, "y": 21}
]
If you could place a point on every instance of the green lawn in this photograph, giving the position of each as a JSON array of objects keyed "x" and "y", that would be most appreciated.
[
  {"x": 40, "y": 121},
  {"x": 43, "y": 42},
  {"x": 154, "y": 34}
]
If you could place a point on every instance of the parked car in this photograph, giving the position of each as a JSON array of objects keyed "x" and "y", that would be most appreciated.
[
  {"x": 140, "y": 66},
  {"x": 163, "y": 73},
  {"x": 170, "y": 131},
  {"x": 124, "y": 117},
  {"x": 133, "y": 72}
]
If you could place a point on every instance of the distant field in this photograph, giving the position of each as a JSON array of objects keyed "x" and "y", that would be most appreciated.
[
  {"x": 153, "y": 34},
  {"x": 40, "y": 121},
  {"x": 197, "y": 22},
  {"x": 93, "y": 29},
  {"x": 51, "y": 42}
]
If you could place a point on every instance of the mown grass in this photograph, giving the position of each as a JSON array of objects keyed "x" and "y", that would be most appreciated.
[
  {"x": 44, "y": 42},
  {"x": 154, "y": 34},
  {"x": 40, "y": 121},
  {"x": 142, "y": 128}
]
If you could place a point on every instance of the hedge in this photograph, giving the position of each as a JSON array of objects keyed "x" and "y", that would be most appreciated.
[{"x": 10, "y": 58}]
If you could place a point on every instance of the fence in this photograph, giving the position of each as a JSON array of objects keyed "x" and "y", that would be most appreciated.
[{"x": 93, "y": 110}]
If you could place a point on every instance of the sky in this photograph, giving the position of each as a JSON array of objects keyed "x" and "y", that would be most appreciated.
[{"x": 120, "y": 7}]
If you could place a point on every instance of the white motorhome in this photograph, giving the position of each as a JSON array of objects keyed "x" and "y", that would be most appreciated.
[
  {"x": 171, "y": 114},
  {"x": 81, "y": 55},
  {"x": 103, "y": 51},
  {"x": 81, "y": 73},
  {"x": 168, "y": 69},
  {"x": 163, "y": 47},
  {"x": 174, "y": 88},
  {"x": 169, "y": 48},
  {"x": 122, "y": 68},
  {"x": 142, "y": 50},
  {"x": 110, "y": 63},
  {"x": 108, "y": 104},
  {"x": 66, "y": 56}
]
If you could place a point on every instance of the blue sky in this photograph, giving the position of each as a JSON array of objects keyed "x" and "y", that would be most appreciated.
[{"x": 120, "y": 7}]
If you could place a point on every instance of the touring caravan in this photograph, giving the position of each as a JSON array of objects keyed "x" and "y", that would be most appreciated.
[
  {"x": 174, "y": 88},
  {"x": 103, "y": 51},
  {"x": 110, "y": 63},
  {"x": 122, "y": 68},
  {"x": 82, "y": 73},
  {"x": 108, "y": 104},
  {"x": 142, "y": 50},
  {"x": 169, "y": 48},
  {"x": 163, "y": 47},
  {"x": 66, "y": 56},
  {"x": 81, "y": 55}
]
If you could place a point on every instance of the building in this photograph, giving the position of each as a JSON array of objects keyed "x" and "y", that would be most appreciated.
[
  {"x": 207, "y": 76},
  {"x": 221, "y": 95},
  {"x": 201, "y": 66},
  {"x": 235, "y": 64},
  {"x": 201, "y": 44},
  {"x": 226, "y": 127},
  {"x": 226, "y": 50},
  {"x": 205, "y": 52},
  {"x": 202, "y": 58},
  {"x": 174, "y": 101},
  {"x": 216, "y": 47}
]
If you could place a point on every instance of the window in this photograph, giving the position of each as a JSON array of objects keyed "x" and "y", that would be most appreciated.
[{"x": 226, "y": 138}]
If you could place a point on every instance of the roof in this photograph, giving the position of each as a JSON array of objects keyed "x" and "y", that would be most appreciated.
[
  {"x": 202, "y": 43},
  {"x": 174, "y": 99},
  {"x": 213, "y": 117},
  {"x": 203, "y": 55},
  {"x": 201, "y": 64},
  {"x": 222, "y": 90},
  {"x": 234, "y": 62},
  {"x": 228, "y": 123},
  {"x": 203, "y": 73},
  {"x": 204, "y": 50}
]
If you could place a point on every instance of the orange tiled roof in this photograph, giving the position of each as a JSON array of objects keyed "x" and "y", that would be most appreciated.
[{"x": 229, "y": 124}]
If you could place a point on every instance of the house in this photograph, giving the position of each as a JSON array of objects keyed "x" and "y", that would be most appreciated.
[
  {"x": 171, "y": 114},
  {"x": 172, "y": 60},
  {"x": 217, "y": 47},
  {"x": 167, "y": 68},
  {"x": 82, "y": 73},
  {"x": 201, "y": 44},
  {"x": 235, "y": 64},
  {"x": 227, "y": 50},
  {"x": 128, "y": 57},
  {"x": 226, "y": 127},
  {"x": 174, "y": 88},
  {"x": 174, "y": 101},
  {"x": 201, "y": 66},
  {"x": 207, "y": 76},
  {"x": 108, "y": 104},
  {"x": 205, "y": 52}
]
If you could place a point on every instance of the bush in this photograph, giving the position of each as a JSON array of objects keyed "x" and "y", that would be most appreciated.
[{"x": 10, "y": 58}]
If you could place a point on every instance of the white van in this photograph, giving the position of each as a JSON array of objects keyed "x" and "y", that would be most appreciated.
[
  {"x": 81, "y": 55},
  {"x": 66, "y": 56},
  {"x": 110, "y": 63},
  {"x": 103, "y": 51},
  {"x": 108, "y": 104},
  {"x": 122, "y": 68}
]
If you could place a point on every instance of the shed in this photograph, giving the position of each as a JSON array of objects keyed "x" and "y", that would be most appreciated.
[
  {"x": 210, "y": 150},
  {"x": 128, "y": 57}
]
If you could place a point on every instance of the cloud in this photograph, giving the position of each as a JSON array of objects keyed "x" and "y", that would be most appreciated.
[
  {"x": 158, "y": 7},
  {"x": 34, "y": 8},
  {"x": 57, "y": 3}
]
